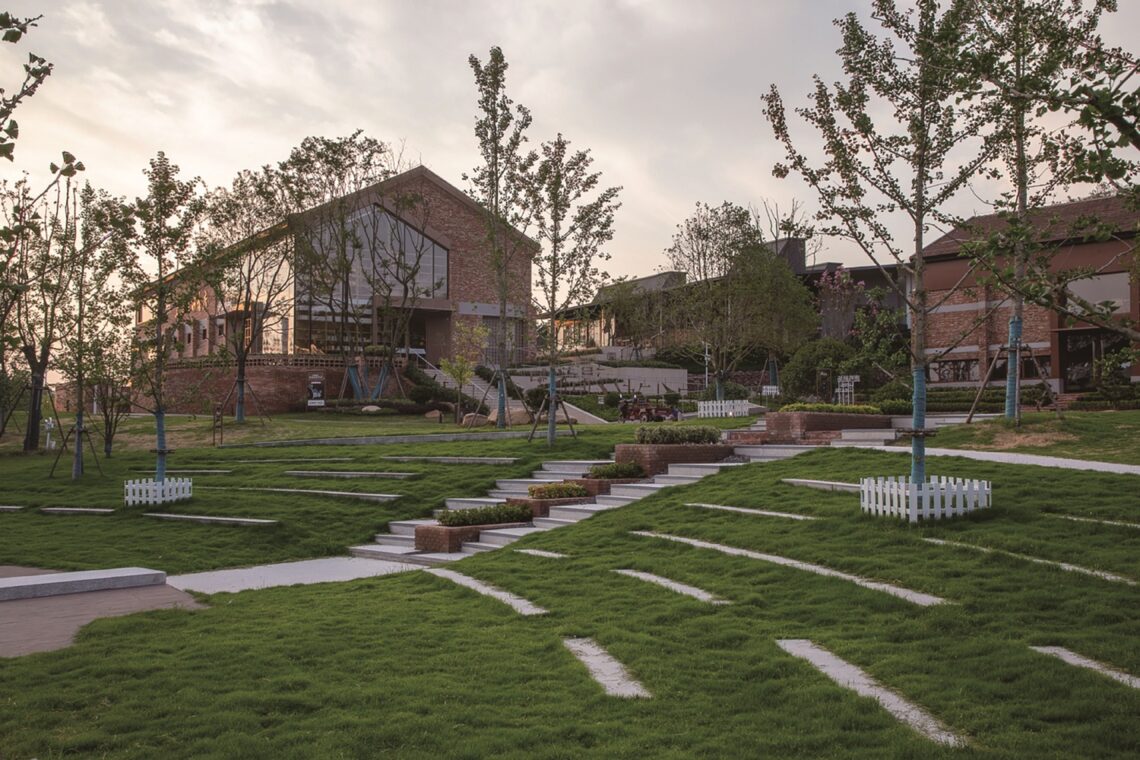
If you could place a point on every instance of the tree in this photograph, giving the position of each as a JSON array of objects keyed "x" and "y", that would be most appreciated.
[
  {"x": 739, "y": 295},
  {"x": 246, "y": 260},
  {"x": 838, "y": 296},
  {"x": 320, "y": 186},
  {"x": 574, "y": 221},
  {"x": 633, "y": 315},
  {"x": 167, "y": 218},
  {"x": 36, "y": 70},
  {"x": 918, "y": 156},
  {"x": 468, "y": 339},
  {"x": 499, "y": 186}
]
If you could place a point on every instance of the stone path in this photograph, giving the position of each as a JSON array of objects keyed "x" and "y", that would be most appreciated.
[
  {"x": 610, "y": 674},
  {"x": 541, "y": 553},
  {"x": 517, "y": 603},
  {"x": 915, "y": 597},
  {"x": 1114, "y": 523},
  {"x": 675, "y": 586},
  {"x": 1063, "y": 565},
  {"x": 310, "y": 492},
  {"x": 1034, "y": 459},
  {"x": 309, "y": 571},
  {"x": 746, "y": 511},
  {"x": 1080, "y": 661},
  {"x": 850, "y": 677}
]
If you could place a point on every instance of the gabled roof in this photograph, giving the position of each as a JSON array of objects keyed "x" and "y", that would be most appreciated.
[
  {"x": 650, "y": 284},
  {"x": 1058, "y": 223}
]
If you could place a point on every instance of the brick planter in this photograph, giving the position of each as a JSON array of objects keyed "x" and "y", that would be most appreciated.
[
  {"x": 793, "y": 427},
  {"x": 541, "y": 507},
  {"x": 601, "y": 486},
  {"x": 443, "y": 538},
  {"x": 655, "y": 458}
]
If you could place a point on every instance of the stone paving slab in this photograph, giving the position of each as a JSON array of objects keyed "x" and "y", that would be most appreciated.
[
  {"x": 454, "y": 460},
  {"x": 347, "y": 474},
  {"x": 328, "y": 570},
  {"x": 310, "y": 492},
  {"x": 850, "y": 677},
  {"x": 1113, "y": 523},
  {"x": 56, "y": 584},
  {"x": 211, "y": 519},
  {"x": 822, "y": 485},
  {"x": 1036, "y": 560},
  {"x": 1080, "y": 661},
  {"x": 610, "y": 674},
  {"x": 1033, "y": 459},
  {"x": 517, "y": 603},
  {"x": 9, "y": 508},
  {"x": 49, "y": 623},
  {"x": 76, "y": 511},
  {"x": 184, "y": 472},
  {"x": 383, "y": 439},
  {"x": 675, "y": 586},
  {"x": 748, "y": 511},
  {"x": 540, "y": 553}
]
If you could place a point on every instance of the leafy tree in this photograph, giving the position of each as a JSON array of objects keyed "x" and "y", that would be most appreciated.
[
  {"x": 245, "y": 259},
  {"x": 166, "y": 221},
  {"x": 499, "y": 185},
  {"x": 468, "y": 339},
  {"x": 36, "y": 70},
  {"x": 574, "y": 221},
  {"x": 739, "y": 296},
  {"x": 838, "y": 294},
  {"x": 632, "y": 314},
  {"x": 919, "y": 153}
]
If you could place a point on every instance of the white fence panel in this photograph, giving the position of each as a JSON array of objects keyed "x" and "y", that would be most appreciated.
[
  {"x": 734, "y": 408},
  {"x": 150, "y": 491},
  {"x": 933, "y": 500}
]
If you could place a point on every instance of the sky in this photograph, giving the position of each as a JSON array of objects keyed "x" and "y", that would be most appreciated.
[{"x": 666, "y": 94}]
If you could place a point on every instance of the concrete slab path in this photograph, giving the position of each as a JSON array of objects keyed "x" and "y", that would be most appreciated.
[
  {"x": 328, "y": 570},
  {"x": 1006, "y": 457}
]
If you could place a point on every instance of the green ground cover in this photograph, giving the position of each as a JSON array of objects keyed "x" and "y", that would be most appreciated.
[
  {"x": 414, "y": 667},
  {"x": 310, "y": 526},
  {"x": 1099, "y": 436}
]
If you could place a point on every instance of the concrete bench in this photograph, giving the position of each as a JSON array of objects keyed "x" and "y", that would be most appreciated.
[{"x": 54, "y": 584}]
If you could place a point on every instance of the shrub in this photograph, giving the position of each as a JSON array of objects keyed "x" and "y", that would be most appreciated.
[
  {"x": 665, "y": 434},
  {"x": 833, "y": 408},
  {"x": 672, "y": 399},
  {"x": 535, "y": 396},
  {"x": 895, "y": 406},
  {"x": 800, "y": 374},
  {"x": 497, "y": 513},
  {"x": 557, "y": 491},
  {"x": 613, "y": 399},
  {"x": 731, "y": 391},
  {"x": 421, "y": 394},
  {"x": 895, "y": 390},
  {"x": 616, "y": 470}
]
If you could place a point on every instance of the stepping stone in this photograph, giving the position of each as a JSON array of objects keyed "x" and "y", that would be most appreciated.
[
  {"x": 185, "y": 472},
  {"x": 54, "y": 584},
  {"x": 915, "y": 597},
  {"x": 743, "y": 510},
  {"x": 10, "y": 509},
  {"x": 610, "y": 674},
  {"x": 210, "y": 519},
  {"x": 517, "y": 603},
  {"x": 309, "y": 492},
  {"x": 1114, "y": 523},
  {"x": 1063, "y": 565},
  {"x": 850, "y": 677},
  {"x": 455, "y": 460},
  {"x": 329, "y": 569},
  {"x": 822, "y": 485},
  {"x": 75, "y": 511},
  {"x": 342, "y": 474},
  {"x": 1066, "y": 655},
  {"x": 680, "y": 588},
  {"x": 280, "y": 461},
  {"x": 541, "y": 553}
]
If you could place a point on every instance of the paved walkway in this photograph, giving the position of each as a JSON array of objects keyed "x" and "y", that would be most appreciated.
[
  {"x": 287, "y": 574},
  {"x": 42, "y": 625},
  {"x": 1013, "y": 458}
]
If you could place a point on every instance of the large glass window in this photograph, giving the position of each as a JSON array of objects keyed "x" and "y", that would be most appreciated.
[{"x": 1114, "y": 287}]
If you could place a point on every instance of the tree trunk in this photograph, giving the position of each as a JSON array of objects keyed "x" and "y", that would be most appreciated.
[
  {"x": 160, "y": 441},
  {"x": 239, "y": 404},
  {"x": 35, "y": 402},
  {"x": 551, "y": 404}
]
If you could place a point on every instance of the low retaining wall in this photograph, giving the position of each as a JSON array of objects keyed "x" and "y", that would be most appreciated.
[
  {"x": 655, "y": 458},
  {"x": 446, "y": 539},
  {"x": 791, "y": 427}
]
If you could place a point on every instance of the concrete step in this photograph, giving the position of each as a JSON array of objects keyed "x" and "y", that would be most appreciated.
[
  {"x": 551, "y": 522},
  {"x": 504, "y": 536},
  {"x": 556, "y": 477},
  {"x": 770, "y": 452},
  {"x": 867, "y": 434},
  {"x": 472, "y": 503},
  {"x": 636, "y": 490},
  {"x": 56, "y": 584},
  {"x": 401, "y": 554},
  {"x": 675, "y": 480},
  {"x": 395, "y": 539},
  {"x": 407, "y": 527},
  {"x": 477, "y": 547},
  {"x": 615, "y": 501},
  {"x": 521, "y": 484},
  {"x": 861, "y": 443},
  {"x": 702, "y": 469},
  {"x": 573, "y": 466},
  {"x": 576, "y": 512}
]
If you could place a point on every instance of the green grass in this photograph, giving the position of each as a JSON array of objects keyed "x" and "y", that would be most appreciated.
[
  {"x": 1098, "y": 436},
  {"x": 412, "y": 666}
]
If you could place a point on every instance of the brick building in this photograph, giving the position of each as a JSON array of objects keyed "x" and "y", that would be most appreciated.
[
  {"x": 418, "y": 245},
  {"x": 976, "y": 315}
]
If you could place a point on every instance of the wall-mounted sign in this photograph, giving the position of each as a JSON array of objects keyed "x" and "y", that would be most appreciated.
[{"x": 316, "y": 390}]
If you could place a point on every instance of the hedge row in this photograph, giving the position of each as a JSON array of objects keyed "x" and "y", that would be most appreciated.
[
  {"x": 497, "y": 513},
  {"x": 616, "y": 470},
  {"x": 667, "y": 434},
  {"x": 557, "y": 491},
  {"x": 832, "y": 408}
]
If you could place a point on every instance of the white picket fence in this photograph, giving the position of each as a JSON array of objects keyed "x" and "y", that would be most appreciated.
[
  {"x": 150, "y": 491},
  {"x": 736, "y": 408},
  {"x": 933, "y": 500}
]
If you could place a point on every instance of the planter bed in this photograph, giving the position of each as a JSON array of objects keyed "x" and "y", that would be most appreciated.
[
  {"x": 541, "y": 507},
  {"x": 655, "y": 458},
  {"x": 442, "y": 538},
  {"x": 792, "y": 427}
]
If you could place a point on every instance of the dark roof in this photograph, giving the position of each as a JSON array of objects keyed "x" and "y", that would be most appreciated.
[
  {"x": 651, "y": 284},
  {"x": 1056, "y": 224}
]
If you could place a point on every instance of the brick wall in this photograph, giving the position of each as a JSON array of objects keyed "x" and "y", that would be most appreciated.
[
  {"x": 792, "y": 427},
  {"x": 441, "y": 538},
  {"x": 656, "y": 458}
]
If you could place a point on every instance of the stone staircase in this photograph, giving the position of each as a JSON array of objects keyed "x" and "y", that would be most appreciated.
[{"x": 399, "y": 543}]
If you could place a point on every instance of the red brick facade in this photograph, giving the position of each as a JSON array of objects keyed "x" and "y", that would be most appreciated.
[
  {"x": 794, "y": 427},
  {"x": 655, "y": 458}
]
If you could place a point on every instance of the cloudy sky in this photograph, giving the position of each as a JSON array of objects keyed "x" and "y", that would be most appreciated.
[{"x": 666, "y": 93}]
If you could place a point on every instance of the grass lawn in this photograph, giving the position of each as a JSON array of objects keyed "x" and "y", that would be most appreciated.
[
  {"x": 310, "y": 526},
  {"x": 1101, "y": 436},
  {"x": 412, "y": 666}
]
